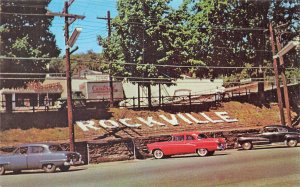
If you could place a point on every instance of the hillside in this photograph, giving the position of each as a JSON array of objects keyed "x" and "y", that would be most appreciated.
[{"x": 248, "y": 117}]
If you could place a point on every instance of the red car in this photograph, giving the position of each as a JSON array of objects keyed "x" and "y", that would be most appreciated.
[{"x": 187, "y": 143}]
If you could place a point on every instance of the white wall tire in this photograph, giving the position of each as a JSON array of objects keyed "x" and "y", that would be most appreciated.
[
  {"x": 49, "y": 168},
  {"x": 292, "y": 143},
  {"x": 158, "y": 154},
  {"x": 247, "y": 145},
  {"x": 202, "y": 152},
  {"x": 2, "y": 170}
]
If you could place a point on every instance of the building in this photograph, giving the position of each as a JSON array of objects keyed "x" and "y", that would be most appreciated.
[{"x": 35, "y": 96}]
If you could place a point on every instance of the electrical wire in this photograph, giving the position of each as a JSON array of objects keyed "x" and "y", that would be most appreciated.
[
  {"x": 197, "y": 66},
  {"x": 24, "y": 14},
  {"x": 29, "y": 58},
  {"x": 149, "y": 81},
  {"x": 156, "y": 65},
  {"x": 32, "y": 73}
]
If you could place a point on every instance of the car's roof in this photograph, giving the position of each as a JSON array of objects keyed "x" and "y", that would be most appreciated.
[
  {"x": 37, "y": 144},
  {"x": 276, "y": 126},
  {"x": 185, "y": 133}
]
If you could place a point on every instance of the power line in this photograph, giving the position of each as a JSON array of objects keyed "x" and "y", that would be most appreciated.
[
  {"x": 156, "y": 65},
  {"x": 158, "y": 78},
  {"x": 29, "y": 58},
  {"x": 32, "y": 73},
  {"x": 196, "y": 66},
  {"x": 23, "y": 78},
  {"x": 149, "y": 81},
  {"x": 24, "y": 14},
  {"x": 169, "y": 78}
]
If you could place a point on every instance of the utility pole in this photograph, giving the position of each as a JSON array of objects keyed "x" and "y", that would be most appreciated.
[
  {"x": 68, "y": 22},
  {"x": 275, "y": 66},
  {"x": 108, "y": 18},
  {"x": 285, "y": 88}
]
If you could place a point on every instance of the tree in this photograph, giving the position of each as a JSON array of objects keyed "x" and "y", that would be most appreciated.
[
  {"x": 25, "y": 33},
  {"x": 234, "y": 33},
  {"x": 146, "y": 34},
  {"x": 208, "y": 33}
]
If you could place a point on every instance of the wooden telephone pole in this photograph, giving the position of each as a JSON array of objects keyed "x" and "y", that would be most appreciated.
[
  {"x": 68, "y": 22},
  {"x": 108, "y": 18},
  {"x": 275, "y": 66}
]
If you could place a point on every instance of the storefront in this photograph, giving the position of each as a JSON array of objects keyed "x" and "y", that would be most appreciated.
[{"x": 35, "y": 96}]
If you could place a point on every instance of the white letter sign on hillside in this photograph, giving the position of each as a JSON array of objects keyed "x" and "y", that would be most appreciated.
[
  {"x": 85, "y": 125},
  {"x": 124, "y": 122},
  {"x": 225, "y": 117},
  {"x": 113, "y": 125},
  {"x": 195, "y": 120},
  {"x": 172, "y": 121},
  {"x": 186, "y": 118},
  {"x": 211, "y": 120},
  {"x": 150, "y": 121}
]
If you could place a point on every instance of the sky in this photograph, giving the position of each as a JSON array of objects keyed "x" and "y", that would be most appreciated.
[{"x": 91, "y": 26}]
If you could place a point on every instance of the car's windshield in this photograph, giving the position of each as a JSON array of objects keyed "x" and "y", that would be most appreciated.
[{"x": 55, "y": 148}]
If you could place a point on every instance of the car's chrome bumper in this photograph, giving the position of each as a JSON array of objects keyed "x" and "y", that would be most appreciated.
[
  {"x": 73, "y": 163},
  {"x": 222, "y": 147},
  {"x": 236, "y": 145}
]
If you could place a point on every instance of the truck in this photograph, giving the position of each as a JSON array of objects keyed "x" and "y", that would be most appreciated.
[{"x": 98, "y": 93}]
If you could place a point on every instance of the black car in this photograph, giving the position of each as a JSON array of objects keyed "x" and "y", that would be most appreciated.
[{"x": 270, "y": 134}]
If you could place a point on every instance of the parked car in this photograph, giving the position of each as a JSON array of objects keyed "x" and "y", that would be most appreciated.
[
  {"x": 39, "y": 156},
  {"x": 187, "y": 143},
  {"x": 270, "y": 134}
]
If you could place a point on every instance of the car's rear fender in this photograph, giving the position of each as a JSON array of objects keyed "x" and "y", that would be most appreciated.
[
  {"x": 253, "y": 140},
  {"x": 209, "y": 145},
  {"x": 58, "y": 162},
  {"x": 292, "y": 137}
]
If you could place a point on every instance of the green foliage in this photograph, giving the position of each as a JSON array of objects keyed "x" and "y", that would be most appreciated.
[
  {"x": 23, "y": 35},
  {"x": 147, "y": 32},
  {"x": 89, "y": 60},
  {"x": 235, "y": 33},
  {"x": 207, "y": 32}
]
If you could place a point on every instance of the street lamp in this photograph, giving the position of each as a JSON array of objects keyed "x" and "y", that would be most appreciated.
[
  {"x": 74, "y": 37},
  {"x": 287, "y": 48}
]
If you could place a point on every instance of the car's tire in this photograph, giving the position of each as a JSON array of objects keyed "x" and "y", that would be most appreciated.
[
  {"x": 64, "y": 168},
  {"x": 210, "y": 153},
  {"x": 17, "y": 171},
  {"x": 158, "y": 154},
  {"x": 202, "y": 152},
  {"x": 49, "y": 168},
  {"x": 292, "y": 143},
  {"x": 2, "y": 170},
  {"x": 247, "y": 145}
]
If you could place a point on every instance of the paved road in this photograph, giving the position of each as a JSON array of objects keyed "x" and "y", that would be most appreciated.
[{"x": 266, "y": 166}]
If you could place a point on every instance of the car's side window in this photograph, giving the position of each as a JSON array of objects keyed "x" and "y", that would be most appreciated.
[
  {"x": 37, "y": 149},
  {"x": 271, "y": 130},
  {"x": 21, "y": 150},
  {"x": 202, "y": 136},
  {"x": 282, "y": 130},
  {"x": 189, "y": 137},
  {"x": 179, "y": 138},
  {"x": 55, "y": 148}
]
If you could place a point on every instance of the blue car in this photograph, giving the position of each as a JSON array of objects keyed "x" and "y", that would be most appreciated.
[{"x": 39, "y": 156}]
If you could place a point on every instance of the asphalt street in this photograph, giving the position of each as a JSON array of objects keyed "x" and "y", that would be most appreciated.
[{"x": 265, "y": 166}]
